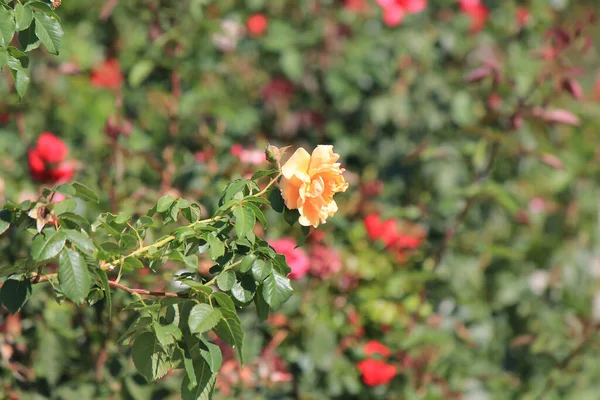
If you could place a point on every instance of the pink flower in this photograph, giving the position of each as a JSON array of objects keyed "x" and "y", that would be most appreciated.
[
  {"x": 324, "y": 261},
  {"x": 295, "y": 257}
]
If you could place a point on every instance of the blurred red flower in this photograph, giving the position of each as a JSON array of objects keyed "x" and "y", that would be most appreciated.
[
  {"x": 376, "y": 372},
  {"x": 477, "y": 12},
  {"x": 413, "y": 6},
  {"x": 523, "y": 16},
  {"x": 384, "y": 230},
  {"x": 257, "y": 24},
  {"x": 107, "y": 75},
  {"x": 394, "y": 10},
  {"x": 375, "y": 347},
  {"x": 47, "y": 160},
  {"x": 295, "y": 257}
]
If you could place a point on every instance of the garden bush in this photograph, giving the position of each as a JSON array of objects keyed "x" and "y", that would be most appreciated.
[{"x": 167, "y": 225}]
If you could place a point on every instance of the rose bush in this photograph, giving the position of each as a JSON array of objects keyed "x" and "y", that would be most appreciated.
[{"x": 462, "y": 261}]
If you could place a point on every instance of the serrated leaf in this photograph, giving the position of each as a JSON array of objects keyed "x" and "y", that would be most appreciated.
[
  {"x": 106, "y": 288},
  {"x": 46, "y": 247},
  {"x": 76, "y": 219},
  {"x": 7, "y": 26},
  {"x": 230, "y": 327},
  {"x": 261, "y": 269},
  {"x": 166, "y": 334},
  {"x": 258, "y": 214},
  {"x": 243, "y": 290},
  {"x": 84, "y": 193},
  {"x": 247, "y": 263},
  {"x": 212, "y": 354},
  {"x": 276, "y": 290},
  {"x": 244, "y": 221},
  {"x": 139, "y": 325},
  {"x": 73, "y": 275},
  {"x": 276, "y": 200},
  {"x": 203, "y": 318},
  {"x": 205, "y": 383},
  {"x": 81, "y": 240},
  {"x": 226, "y": 280},
  {"x": 3, "y": 58},
  {"x": 132, "y": 263},
  {"x": 14, "y": 294},
  {"x": 49, "y": 31},
  {"x": 164, "y": 203},
  {"x": 149, "y": 357},
  {"x": 23, "y": 16},
  {"x": 3, "y": 226},
  {"x": 290, "y": 216},
  {"x": 19, "y": 74},
  {"x": 232, "y": 190},
  {"x": 262, "y": 308},
  {"x": 67, "y": 205},
  {"x": 216, "y": 247},
  {"x": 28, "y": 40},
  {"x": 260, "y": 174}
]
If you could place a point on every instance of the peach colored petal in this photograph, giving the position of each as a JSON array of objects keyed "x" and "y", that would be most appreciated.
[
  {"x": 290, "y": 194},
  {"x": 298, "y": 162}
]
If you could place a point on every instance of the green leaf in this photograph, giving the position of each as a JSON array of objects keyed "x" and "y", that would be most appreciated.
[
  {"x": 232, "y": 190},
  {"x": 106, "y": 288},
  {"x": 48, "y": 30},
  {"x": 23, "y": 16},
  {"x": 290, "y": 216},
  {"x": 48, "y": 246},
  {"x": 191, "y": 213},
  {"x": 244, "y": 221},
  {"x": 140, "y": 71},
  {"x": 73, "y": 275},
  {"x": 84, "y": 193},
  {"x": 258, "y": 214},
  {"x": 20, "y": 75},
  {"x": 247, "y": 263},
  {"x": 216, "y": 247},
  {"x": 261, "y": 269},
  {"x": 67, "y": 205},
  {"x": 132, "y": 263},
  {"x": 3, "y": 58},
  {"x": 243, "y": 290},
  {"x": 276, "y": 200},
  {"x": 7, "y": 26},
  {"x": 226, "y": 280},
  {"x": 230, "y": 327},
  {"x": 149, "y": 357},
  {"x": 81, "y": 240},
  {"x": 167, "y": 334},
  {"x": 203, "y": 318},
  {"x": 66, "y": 189},
  {"x": 212, "y": 354},
  {"x": 276, "y": 290},
  {"x": 260, "y": 174},
  {"x": 76, "y": 219},
  {"x": 205, "y": 382},
  {"x": 262, "y": 308},
  {"x": 14, "y": 294},
  {"x": 3, "y": 226},
  {"x": 164, "y": 203}
]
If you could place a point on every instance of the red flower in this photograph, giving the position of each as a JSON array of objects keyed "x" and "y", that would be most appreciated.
[
  {"x": 47, "y": 160},
  {"x": 257, "y": 24},
  {"x": 296, "y": 258},
  {"x": 477, "y": 12},
  {"x": 62, "y": 173},
  {"x": 375, "y": 347},
  {"x": 413, "y": 6},
  {"x": 107, "y": 75},
  {"x": 375, "y": 372},
  {"x": 51, "y": 149},
  {"x": 393, "y": 15},
  {"x": 36, "y": 166},
  {"x": 376, "y": 229},
  {"x": 324, "y": 261},
  {"x": 523, "y": 16},
  {"x": 356, "y": 6}
]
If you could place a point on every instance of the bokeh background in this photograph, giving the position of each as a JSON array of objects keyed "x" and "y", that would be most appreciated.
[{"x": 464, "y": 261}]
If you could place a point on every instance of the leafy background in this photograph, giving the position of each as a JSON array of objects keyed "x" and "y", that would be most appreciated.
[{"x": 484, "y": 143}]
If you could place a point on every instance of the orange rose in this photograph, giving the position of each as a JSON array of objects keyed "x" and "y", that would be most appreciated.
[{"x": 309, "y": 183}]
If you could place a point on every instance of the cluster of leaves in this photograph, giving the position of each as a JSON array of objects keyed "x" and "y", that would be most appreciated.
[
  {"x": 34, "y": 23},
  {"x": 170, "y": 331}
]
